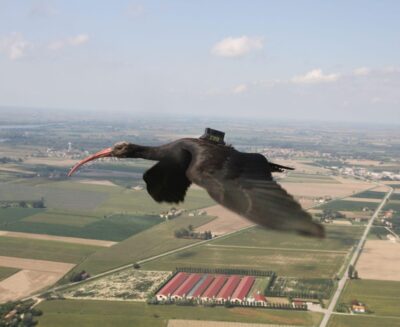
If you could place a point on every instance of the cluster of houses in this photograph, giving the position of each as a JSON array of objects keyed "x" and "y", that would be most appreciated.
[
  {"x": 210, "y": 287},
  {"x": 365, "y": 173},
  {"x": 171, "y": 213},
  {"x": 174, "y": 212}
]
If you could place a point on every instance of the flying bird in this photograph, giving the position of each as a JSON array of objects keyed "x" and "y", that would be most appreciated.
[{"x": 241, "y": 182}]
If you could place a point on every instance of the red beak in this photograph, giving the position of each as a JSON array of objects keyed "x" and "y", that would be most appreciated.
[{"x": 101, "y": 154}]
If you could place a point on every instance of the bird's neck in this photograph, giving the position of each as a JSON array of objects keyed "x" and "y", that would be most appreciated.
[{"x": 148, "y": 152}]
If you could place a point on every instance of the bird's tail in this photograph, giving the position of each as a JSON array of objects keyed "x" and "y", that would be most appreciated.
[{"x": 279, "y": 168}]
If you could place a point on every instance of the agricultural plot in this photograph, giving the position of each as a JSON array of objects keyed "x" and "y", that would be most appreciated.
[
  {"x": 345, "y": 187},
  {"x": 370, "y": 195},
  {"x": 6, "y": 272},
  {"x": 300, "y": 264},
  {"x": 32, "y": 276},
  {"x": 65, "y": 239},
  {"x": 226, "y": 221},
  {"x": 350, "y": 205},
  {"x": 61, "y": 219},
  {"x": 45, "y": 250},
  {"x": 128, "y": 284},
  {"x": 140, "y": 202},
  {"x": 72, "y": 224},
  {"x": 55, "y": 197},
  {"x": 153, "y": 241},
  {"x": 338, "y": 238},
  {"x": 301, "y": 288},
  {"x": 309, "y": 178},
  {"x": 362, "y": 321},
  {"x": 379, "y": 260},
  {"x": 380, "y": 297},
  {"x": 120, "y": 314},
  {"x": 395, "y": 196}
]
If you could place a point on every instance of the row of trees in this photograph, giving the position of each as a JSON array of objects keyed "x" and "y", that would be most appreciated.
[
  {"x": 229, "y": 304},
  {"x": 23, "y": 204},
  {"x": 352, "y": 273},
  {"x": 228, "y": 271},
  {"x": 189, "y": 233}
]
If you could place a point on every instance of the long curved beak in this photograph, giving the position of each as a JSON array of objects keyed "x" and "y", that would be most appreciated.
[{"x": 101, "y": 154}]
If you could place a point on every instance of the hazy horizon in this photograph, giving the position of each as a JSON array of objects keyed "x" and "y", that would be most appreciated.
[{"x": 313, "y": 61}]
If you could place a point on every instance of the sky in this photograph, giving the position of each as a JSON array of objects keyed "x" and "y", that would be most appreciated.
[{"x": 302, "y": 60}]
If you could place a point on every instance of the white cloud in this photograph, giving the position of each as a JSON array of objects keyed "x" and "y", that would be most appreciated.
[
  {"x": 14, "y": 46},
  {"x": 73, "y": 41},
  {"x": 134, "y": 10},
  {"x": 43, "y": 8},
  {"x": 362, "y": 71},
  {"x": 78, "y": 40},
  {"x": 237, "y": 46},
  {"x": 241, "y": 88},
  {"x": 315, "y": 76}
]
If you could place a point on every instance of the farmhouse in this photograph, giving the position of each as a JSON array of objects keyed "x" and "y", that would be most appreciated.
[{"x": 358, "y": 308}]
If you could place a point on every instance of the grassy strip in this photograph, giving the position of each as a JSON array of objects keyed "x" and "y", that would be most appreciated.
[{"x": 108, "y": 313}]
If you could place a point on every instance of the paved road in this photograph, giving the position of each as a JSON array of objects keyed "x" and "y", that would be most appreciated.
[{"x": 353, "y": 260}]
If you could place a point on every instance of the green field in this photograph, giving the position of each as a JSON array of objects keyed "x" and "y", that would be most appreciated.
[
  {"x": 116, "y": 227},
  {"x": 395, "y": 196},
  {"x": 338, "y": 238},
  {"x": 370, "y": 195},
  {"x": 140, "y": 202},
  {"x": 44, "y": 250},
  {"x": 362, "y": 321},
  {"x": 309, "y": 178},
  {"x": 394, "y": 205},
  {"x": 7, "y": 272},
  {"x": 55, "y": 196},
  {"x": 287, "y": 263},
  {"x": 74, "y": 196},
  {"x": 377, "y": 233},
  {"x": 380, "y": 297},
  {"x": 343, "y": 205},
  {"x": 117, "y": 213},
  {"x": 114, "y": 314},
  {"x": 257, "y": 248},
  {"x": 61, "y": 218},
  {"x": 155, "y": 240}
]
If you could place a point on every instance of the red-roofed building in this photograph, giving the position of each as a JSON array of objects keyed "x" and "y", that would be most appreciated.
[
  {"x": 202, "y": 287},
  {"x": 171, "y": 286},
  {"x": 186, "y": 286},
  {"x": 259, "y": 298},
  {"x": 214, "y": 288},
  {"x": 243, "y": 288},
  {"x": 227, "y": 290}
]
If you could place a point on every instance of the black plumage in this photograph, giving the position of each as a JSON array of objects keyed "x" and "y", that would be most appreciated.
[{"x": 241, "y": 182}]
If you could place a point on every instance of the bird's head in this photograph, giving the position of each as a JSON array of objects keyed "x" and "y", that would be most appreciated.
[{"x": 119, "y": 150}]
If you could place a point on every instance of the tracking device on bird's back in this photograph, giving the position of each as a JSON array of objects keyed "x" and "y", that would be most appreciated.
[{"x": 213, "y": 135}]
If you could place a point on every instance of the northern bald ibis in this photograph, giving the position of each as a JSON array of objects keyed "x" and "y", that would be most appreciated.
[{"x": 241, "y": 182}]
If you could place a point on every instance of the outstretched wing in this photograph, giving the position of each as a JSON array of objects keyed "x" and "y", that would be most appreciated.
[
  {"x": 166, "y": 181},
  {"x": 245, "y": 186}
]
